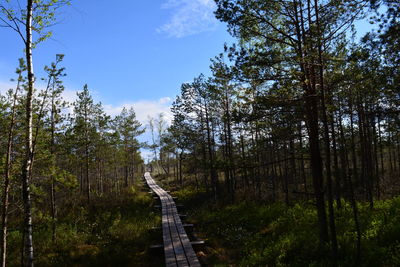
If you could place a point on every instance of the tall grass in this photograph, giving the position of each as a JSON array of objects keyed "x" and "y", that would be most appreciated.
[
  {"x": 254, "y": 234},
  {"x": 111, "y": 231}
]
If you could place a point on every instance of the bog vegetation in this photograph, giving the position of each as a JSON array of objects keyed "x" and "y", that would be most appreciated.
[{"x": 288, "y": 154}]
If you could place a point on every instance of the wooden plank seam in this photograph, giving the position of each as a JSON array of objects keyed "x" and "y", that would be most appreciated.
[{"x": 178, "y": 250}]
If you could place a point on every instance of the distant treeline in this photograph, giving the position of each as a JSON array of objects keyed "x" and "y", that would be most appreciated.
[{"x": 296, "y": 109}]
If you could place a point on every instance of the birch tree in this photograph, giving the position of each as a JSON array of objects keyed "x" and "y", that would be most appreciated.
[{"x": 26, "y": 21}]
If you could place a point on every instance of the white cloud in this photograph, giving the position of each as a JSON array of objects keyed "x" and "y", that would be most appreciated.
[
  {"x": 144, "y": 109},
  {"x": 6, "y": 85},
  {"x": 189, "y": 17},
  {"x": 165, "y": 100},
  {"x": 69, "y": 95}
]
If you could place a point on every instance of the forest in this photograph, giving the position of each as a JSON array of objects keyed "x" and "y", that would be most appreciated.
[{"x": 288, "y": 154}]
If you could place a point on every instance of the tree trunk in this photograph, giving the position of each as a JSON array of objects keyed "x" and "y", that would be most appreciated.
[
  {"x": 311, "y": 114},
  {"x": 87, "y": 171},
  {"x": 7, "y": 170},
  {"x": 332, "y": 225},
  {"x": 180, "y": 168},
  {"x": 213, "y": 173},
  {"x": 28, "y": 161},
  {"x": 52, "y": 186},
  {"x": 302, "y": 167}
]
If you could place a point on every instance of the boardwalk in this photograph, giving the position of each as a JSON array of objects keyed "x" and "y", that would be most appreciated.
[{"x": 177, "y": 247}]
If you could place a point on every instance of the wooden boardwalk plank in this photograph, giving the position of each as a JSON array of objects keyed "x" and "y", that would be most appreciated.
[{"x": 177, "y": 248}]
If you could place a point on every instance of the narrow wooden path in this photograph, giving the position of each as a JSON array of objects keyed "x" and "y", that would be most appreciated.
[{"x": 178, "y": 250}]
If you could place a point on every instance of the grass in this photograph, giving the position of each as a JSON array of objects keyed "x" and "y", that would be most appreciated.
[
  {"x": 116, "y": 231},
  {"x": 254, "y": 234},
  {"x": 111, "y": 231}
]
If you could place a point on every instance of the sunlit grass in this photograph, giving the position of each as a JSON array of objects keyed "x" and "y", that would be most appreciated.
[
  {"x": 254, "y": 234},
  {"x": 111, "y": 231}
]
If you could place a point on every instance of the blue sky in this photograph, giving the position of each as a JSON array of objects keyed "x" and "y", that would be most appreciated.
[
  {"x": 127, "y": 51},
  {"x": 130, "y": 53}
]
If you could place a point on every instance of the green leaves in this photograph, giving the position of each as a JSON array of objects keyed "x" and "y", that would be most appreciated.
[{"x": 13, "y": 15}]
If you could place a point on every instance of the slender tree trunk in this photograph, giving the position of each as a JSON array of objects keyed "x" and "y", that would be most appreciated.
[
  {"x": 332, "y": 225},
  {"x": 52, "y": 186},
  {"x": 176, "y": 165},
  {"x": 204, "y": 153},
  {"x": 311, "y": 109},
  {"x": 81, "y": 177},
  {"x": 86, "y": 118},
  {"x": 382, "y": 173},
  {"x": 375, "y": 156},
  {"x": 7, "y": 170},
  {"x": 398, "y": 152},
  {"x": 356, "y": 221},
  {"x": 311, "y": 114},
  {"x": 180, "y": 168},
  {"x": 353, "y": 143},
  {"x": 390, "y": 143},
  {"x": 87, "y": 171},
  {"x": 231, "y": 168},
  {"x": 126, "y": 176},
  {"x": 243, "y": 153},
  {"x": 344, "y": 162},
  {"x": 28, "y": 161},
  {"x": 302, "y": 167},
  {"x": 337, "y": 174},
  {"x": 101, "y": 186},
  {"x": 286, "y": 174},
  {"x": 213, "y": 173}
]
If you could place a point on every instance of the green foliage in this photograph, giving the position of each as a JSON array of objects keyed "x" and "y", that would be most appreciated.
[
  {"x": 109, "y": 232},
  {"x": 254, "y": 234},
  {"x": 13, "y": 15}
]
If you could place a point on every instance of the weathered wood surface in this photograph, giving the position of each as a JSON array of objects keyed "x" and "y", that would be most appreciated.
[{"x": 178, "y": 250}]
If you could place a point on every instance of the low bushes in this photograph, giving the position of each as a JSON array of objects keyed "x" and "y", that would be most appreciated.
[{"x": 253, "y": 234}]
